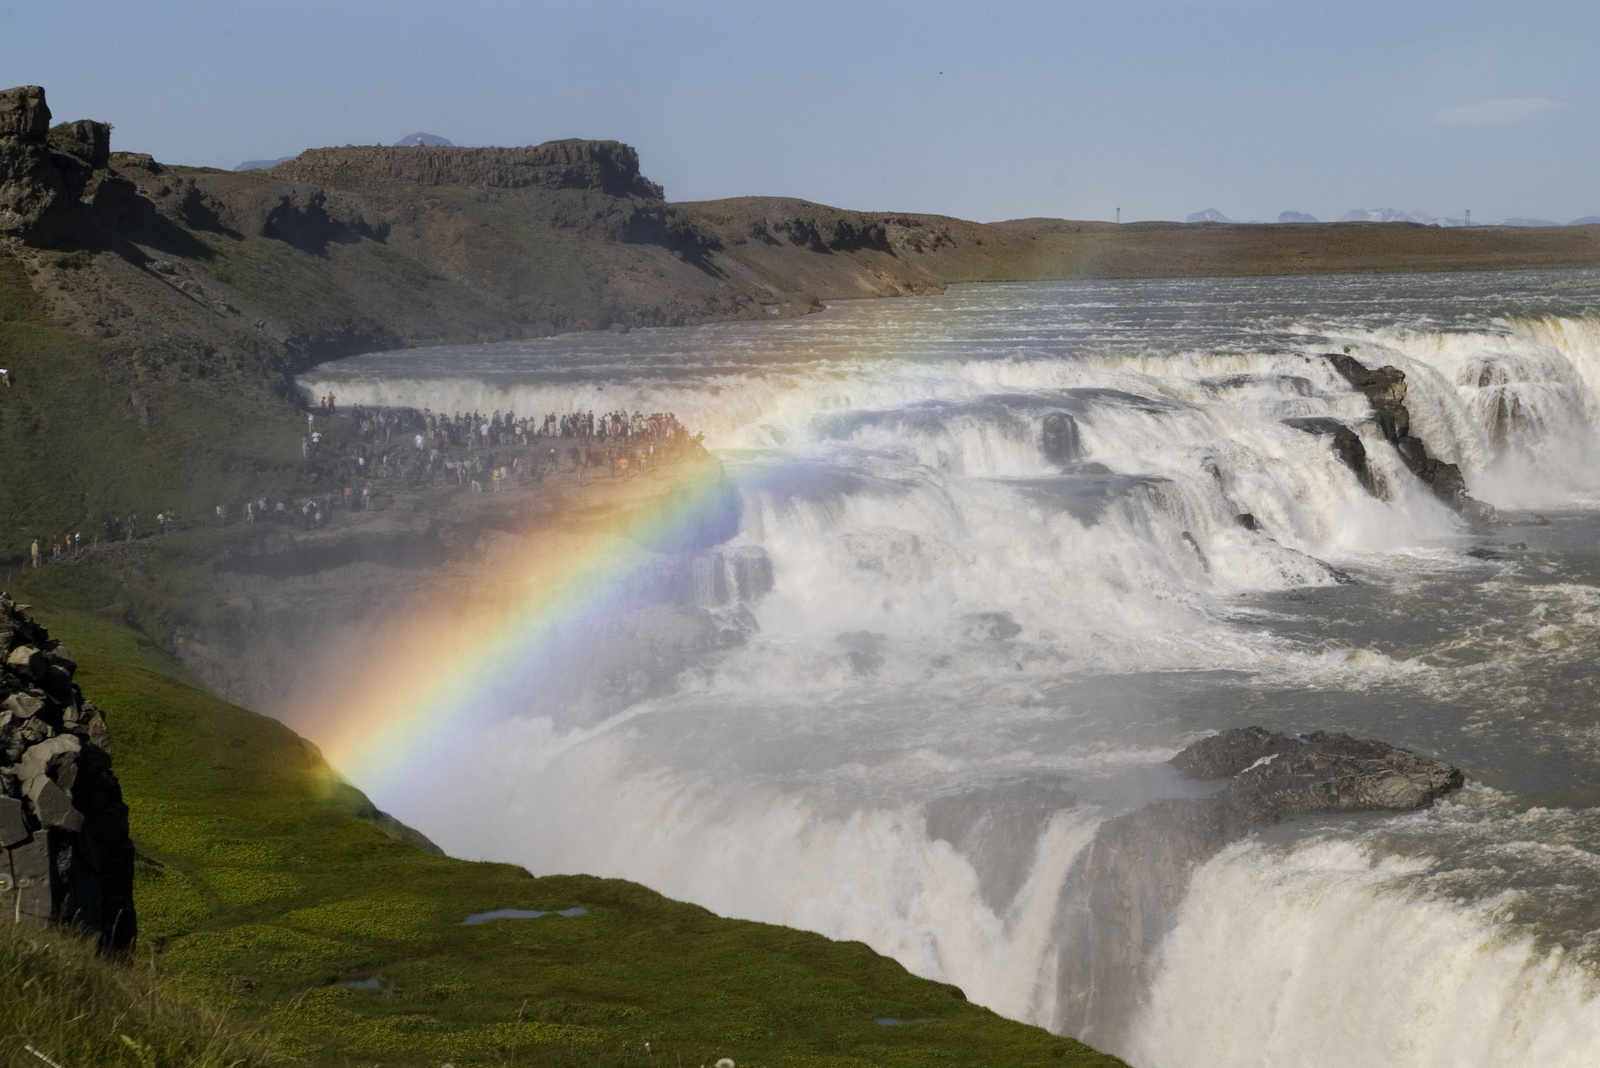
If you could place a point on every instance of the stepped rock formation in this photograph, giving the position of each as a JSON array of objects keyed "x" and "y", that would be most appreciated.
[
  {"x": 1125, "y": 888},
  {"x": 1385, "y": 390},
  {"x": 63, "y": 826}
]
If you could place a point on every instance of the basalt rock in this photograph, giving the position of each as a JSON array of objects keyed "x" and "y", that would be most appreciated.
[
  {"x": 34, "y": 199},
  {"x": 1324, "y": 772},
  {"x": 603, "y": 166},
  {"x": 65, "y": 855},
  {"x": 1060, "y": 440},
  {"x": 1125, "y": 888},
  {"x": 57, "y": 182},
  {"x": 1385, "y": 390},
  {"x": 1347, "y": 446}
]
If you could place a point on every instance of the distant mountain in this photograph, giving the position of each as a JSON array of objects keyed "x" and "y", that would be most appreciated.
[
  {"x": 1385, "y": 215},
  {"x": 262, "y": 164},
  {"x": 1587, "y": 220},
  {"x": 1528, "y": 222},
  {"x": 411, "y": 140},
  {"x": 1209, "y": 215},
  {"x": 1295, "y": 216}
]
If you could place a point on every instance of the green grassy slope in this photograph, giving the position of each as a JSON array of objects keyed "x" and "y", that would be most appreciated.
[
  {"x": 260, "y": 890},
  {"x": 77, "y": 1009},
  {"x": 79, "y": 444}
]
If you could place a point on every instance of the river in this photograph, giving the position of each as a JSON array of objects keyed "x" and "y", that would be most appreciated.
[{"x": 955, "y": 648}]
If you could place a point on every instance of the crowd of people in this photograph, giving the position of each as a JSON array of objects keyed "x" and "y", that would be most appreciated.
[
  {"x": 71, "y": 544},
  {"x": 364, "y": 452},
  {"x": 492, "y": 451}
]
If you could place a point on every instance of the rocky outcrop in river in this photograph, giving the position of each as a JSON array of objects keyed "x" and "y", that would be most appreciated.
[
  {"x": 63, "y": 826},
  {"x": 1126, "y": 886},
  {"x": 1385, "y": 390}
]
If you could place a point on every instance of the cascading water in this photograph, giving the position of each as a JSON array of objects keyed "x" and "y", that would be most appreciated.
[{"x": 1001, "y": 553}]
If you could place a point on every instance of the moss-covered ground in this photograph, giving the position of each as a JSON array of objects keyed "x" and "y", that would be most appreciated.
[{"x": 264, "y": 894}]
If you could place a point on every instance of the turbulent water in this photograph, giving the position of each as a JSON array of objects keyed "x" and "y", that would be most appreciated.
[{"x": 967, "y": 641}]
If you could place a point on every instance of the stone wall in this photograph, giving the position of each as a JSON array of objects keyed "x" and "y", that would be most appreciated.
[{"x": 66, "y": 857}]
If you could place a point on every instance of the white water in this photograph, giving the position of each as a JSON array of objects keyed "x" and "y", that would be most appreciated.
[
  {"x": 970, "y": 656},
  {"x": 1323, "y": 955}
]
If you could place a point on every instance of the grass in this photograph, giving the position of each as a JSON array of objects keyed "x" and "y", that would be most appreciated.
[
  {"x": 81, "y": 441},
  {"x": 261, "y": 890},
  {"x": 519, "y": 259},
  {"x": 77, "y": 1009}
]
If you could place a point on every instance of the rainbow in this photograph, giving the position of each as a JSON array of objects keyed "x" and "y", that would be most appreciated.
[{"x": 446, "y": 668}]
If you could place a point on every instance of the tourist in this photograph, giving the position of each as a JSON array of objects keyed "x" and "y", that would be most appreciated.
[{"x": 35, "y": 552}]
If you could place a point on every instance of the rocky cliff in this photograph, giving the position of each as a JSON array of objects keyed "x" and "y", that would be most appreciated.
[
  {"x": 608, "y": 167},
  {"x": 348, "y": 249},
  {"x": 63, "y": 826}
]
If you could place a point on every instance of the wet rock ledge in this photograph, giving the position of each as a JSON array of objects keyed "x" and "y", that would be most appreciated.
[
  {"x": 65, "y": 855},
  {"x": 1273, "y": 775},
  {"x": 1385, "y": 390}
]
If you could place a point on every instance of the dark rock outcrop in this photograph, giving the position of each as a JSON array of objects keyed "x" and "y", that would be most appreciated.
[
  {"x": 1385, "y": 390},
  {"x": 1060, "y": 440},
  {"x": 1125, "y": 888},
  {"x": 34, "y": 199},
  {"x": 59, "y": 185},
  {"x": 1347, "y": 446},
  {"x": 63, "y": 826},
  {"x": 1271, "y": 776}
]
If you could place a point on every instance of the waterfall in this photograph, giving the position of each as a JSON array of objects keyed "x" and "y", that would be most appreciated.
[{"x": 997, "y": 559}]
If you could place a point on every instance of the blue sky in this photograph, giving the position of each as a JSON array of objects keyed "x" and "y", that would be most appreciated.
[{"x": 986, "y": 111}]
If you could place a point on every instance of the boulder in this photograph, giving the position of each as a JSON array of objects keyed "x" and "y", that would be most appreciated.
[
  {"x": 22, "y": 705},
  {"x": 13, "y": 822},
  {"x": 24, "y": 114},
  {"x": 26, "y": 660}
]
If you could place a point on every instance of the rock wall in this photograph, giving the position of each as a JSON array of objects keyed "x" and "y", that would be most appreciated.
[
  {"x": 63, "y": 825},
  {"x": 609, "y": 167}
]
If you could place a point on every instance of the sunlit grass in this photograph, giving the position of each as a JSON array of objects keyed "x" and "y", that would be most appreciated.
[{"x": 261, "y": 893}]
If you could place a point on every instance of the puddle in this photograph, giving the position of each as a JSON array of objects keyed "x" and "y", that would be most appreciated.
[
  {"x": 517, "y": 914},
  {"x": 366, "y": 984},
  {"x": 895, "y": 1021}
]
